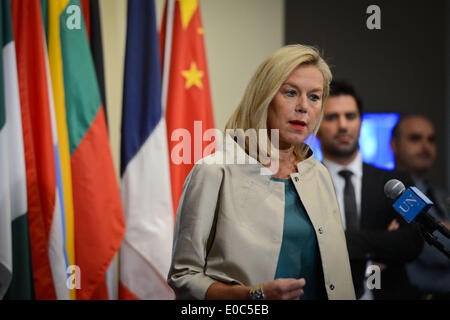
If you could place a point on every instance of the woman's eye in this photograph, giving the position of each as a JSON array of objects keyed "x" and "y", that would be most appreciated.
[
  {"x": 291, "y": 93},
  {"x": 314, "y": 97}
]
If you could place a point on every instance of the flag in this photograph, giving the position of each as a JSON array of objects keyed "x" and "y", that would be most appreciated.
[
  {"x": 97, "y": 210},
  {"x": 44, "y": 8},
  {"x": 97, "y": 50},
  {"x": 86, "y": 8},
  {"x": 185, "y": 89},
  {"x": 52, "y": 23},
  {"x": 91, "y": 12},
  {"x": 46, "y": 205},
  {"x": 15, "y": 259},
  {"x": 145, "y": 254}
]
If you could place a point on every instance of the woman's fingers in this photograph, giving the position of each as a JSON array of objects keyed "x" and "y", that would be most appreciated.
[
  {"x": 297, "y": 290},
  {"x": 295, "y": 295},
  {"x": 284, "y": 289}
]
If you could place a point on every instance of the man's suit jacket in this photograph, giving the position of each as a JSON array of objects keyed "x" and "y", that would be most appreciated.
[{"x": 374, "y": 242}]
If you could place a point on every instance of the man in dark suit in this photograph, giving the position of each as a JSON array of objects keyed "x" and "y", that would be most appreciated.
[{"x": 377, "y": 238}]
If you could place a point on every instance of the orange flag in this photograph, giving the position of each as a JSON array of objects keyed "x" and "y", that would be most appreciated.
[{"x": 185, "y": 79}]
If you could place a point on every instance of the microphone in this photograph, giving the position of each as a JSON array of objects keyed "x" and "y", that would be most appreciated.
[{"x": 413, "y": 205}]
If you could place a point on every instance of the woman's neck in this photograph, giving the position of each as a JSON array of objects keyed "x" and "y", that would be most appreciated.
[
  {"x": 286, "y": 155},
  {"x": 287, "y": 163}
]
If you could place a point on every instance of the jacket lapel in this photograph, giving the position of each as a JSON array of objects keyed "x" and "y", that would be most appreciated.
[{"x": 365, "y": 197}]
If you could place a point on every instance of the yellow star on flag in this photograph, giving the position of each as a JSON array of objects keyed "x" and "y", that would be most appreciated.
[{"x": 193, "y": 76}]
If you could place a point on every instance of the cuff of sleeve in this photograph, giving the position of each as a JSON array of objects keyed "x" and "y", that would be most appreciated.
[
  {"x": 202, "y": 284},
  {"x": 194, "y": 287}
]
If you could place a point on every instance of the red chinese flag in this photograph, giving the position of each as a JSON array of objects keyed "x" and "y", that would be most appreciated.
[{"x": 188, "y": 104}]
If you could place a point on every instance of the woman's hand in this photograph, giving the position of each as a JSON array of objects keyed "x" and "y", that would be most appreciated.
[
  {"x": 284, "y": 289},
  {"x": 280, "y": 289}
]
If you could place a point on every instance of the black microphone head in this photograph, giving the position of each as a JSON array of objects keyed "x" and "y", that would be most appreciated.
[{"x": 394, "y": 188}]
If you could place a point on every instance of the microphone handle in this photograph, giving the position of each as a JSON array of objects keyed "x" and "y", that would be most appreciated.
[
  {"x": 442, "y": 229},
  {"x": 432, "y": 224},
  {"x": 432, "y": 240}
]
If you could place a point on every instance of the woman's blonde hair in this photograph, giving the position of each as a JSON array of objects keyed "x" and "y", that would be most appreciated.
[{"x": 252, "y": 112}]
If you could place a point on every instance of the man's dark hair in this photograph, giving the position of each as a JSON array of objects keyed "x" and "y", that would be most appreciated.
[
  {"x": 396, "y": 130},
  {"x": 403, "y": 117},
  {"x": 339, "y": 87}
]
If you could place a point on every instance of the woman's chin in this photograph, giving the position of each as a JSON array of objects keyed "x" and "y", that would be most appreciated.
[
  {"x": 295, "y": 139},
  {"x": 286, "y": 144}
]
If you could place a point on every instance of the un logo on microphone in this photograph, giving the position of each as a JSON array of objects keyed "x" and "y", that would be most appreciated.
[{"x": 411, "y": 203}]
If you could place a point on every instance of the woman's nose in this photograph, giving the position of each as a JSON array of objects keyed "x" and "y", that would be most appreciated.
[{"x": 301, "y": 105}]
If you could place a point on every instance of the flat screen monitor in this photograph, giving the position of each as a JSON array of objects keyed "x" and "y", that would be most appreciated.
[{"x": 374, "y": 140}]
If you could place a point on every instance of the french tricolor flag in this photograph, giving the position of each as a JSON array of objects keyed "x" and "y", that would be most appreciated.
[{"x": 145, "y": 176}]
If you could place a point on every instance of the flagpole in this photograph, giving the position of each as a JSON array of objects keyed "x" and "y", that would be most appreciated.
[{"x": 167, "y": 54}]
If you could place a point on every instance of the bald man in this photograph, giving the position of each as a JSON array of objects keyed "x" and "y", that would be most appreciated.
[{"x": 414, "y": 145}]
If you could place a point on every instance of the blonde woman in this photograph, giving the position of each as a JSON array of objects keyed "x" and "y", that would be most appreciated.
[{"x": 242, "y": 234}]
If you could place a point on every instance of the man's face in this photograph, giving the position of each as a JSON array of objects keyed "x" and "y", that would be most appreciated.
[
  {"x": 415, "y": 148},
  {"x": 339, "y": 131}
]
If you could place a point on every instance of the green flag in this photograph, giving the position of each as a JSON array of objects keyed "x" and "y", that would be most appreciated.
[{"x": 15, "y": 262}]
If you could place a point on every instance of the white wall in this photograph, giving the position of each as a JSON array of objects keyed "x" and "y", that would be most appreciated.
[
  {"x": 113, "y": 16},
  {"x": 239, "y": 34}
]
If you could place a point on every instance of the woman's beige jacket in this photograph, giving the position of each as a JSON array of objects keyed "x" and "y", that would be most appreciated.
[{"x": 229, "y": 225}]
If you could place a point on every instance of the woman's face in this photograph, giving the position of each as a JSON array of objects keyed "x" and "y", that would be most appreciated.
[{"x": 296, "y": 107}]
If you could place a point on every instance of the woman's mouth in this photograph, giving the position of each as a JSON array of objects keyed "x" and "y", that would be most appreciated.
[{"x": 297, "y": 124}]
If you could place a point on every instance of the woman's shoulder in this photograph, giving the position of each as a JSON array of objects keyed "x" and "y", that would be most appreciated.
[
  {"x": 321, "y": 167},
  {"x": 317, "y": 170},
  {"x": 220, "y": 161},
  {"x": 205, "y": 174},
  {"x": 311, "y": 164},
  {"x": 208, "y": 166}
]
